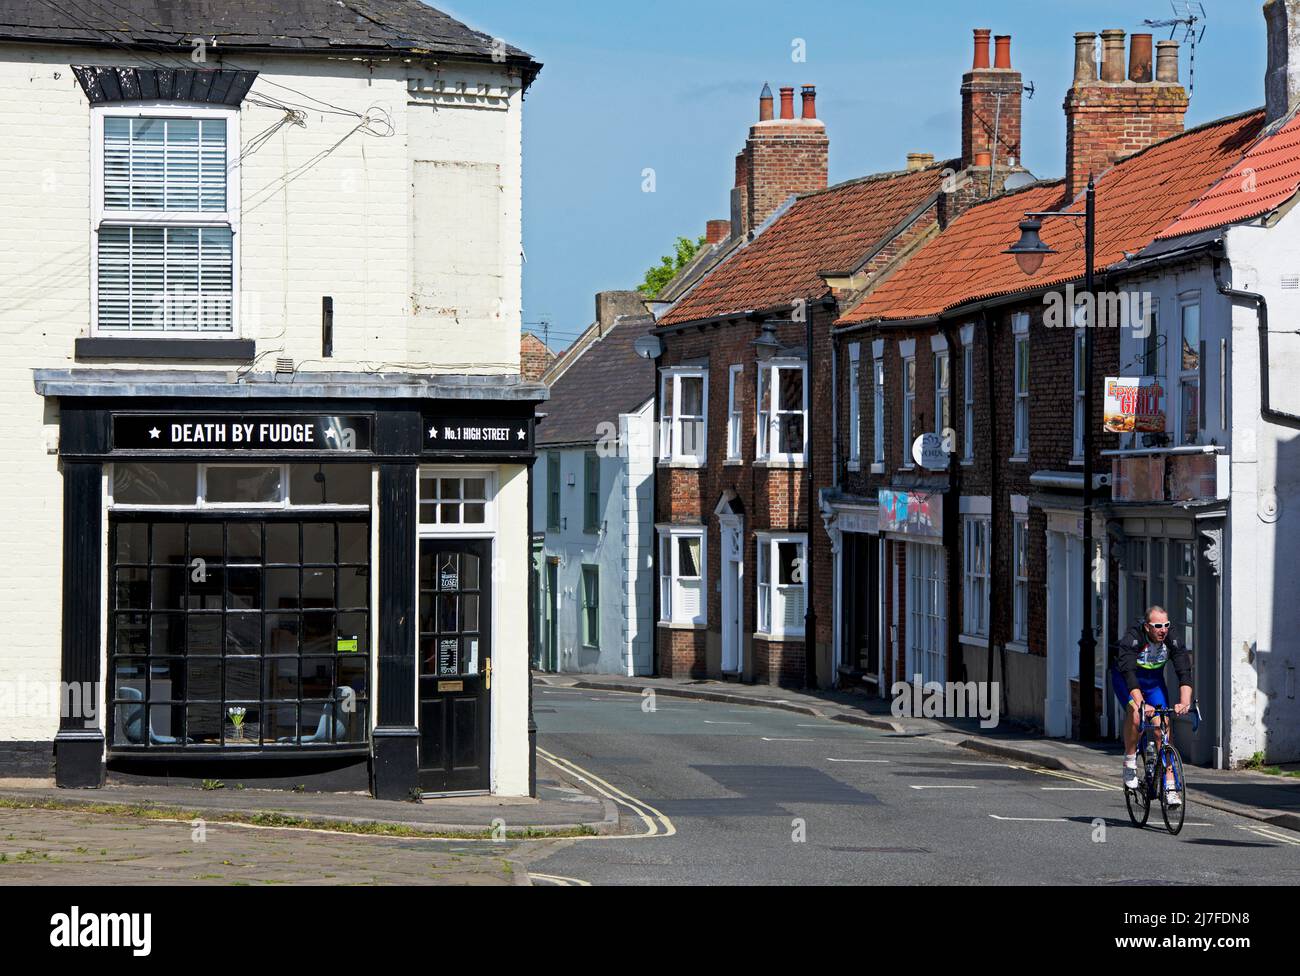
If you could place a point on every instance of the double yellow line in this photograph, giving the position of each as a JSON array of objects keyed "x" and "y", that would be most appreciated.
[{"x": 656, "y": 823}]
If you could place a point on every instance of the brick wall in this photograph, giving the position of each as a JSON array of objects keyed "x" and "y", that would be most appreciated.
[
  {"x": 1106, "y": 122},
  {"x": 534, "y": 357},
  {"x": 783, "y": 156}
]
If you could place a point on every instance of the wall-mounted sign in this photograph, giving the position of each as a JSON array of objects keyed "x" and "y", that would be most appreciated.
[
  {"x": 1138, "y": 479},
  {"x": 1134, "y": 405},
  {"x": 482, "y": 435},
  {"x": 929, "y": 452},
  {"x": 240, "y": 432},
  {"x": 917, "y": 513}
]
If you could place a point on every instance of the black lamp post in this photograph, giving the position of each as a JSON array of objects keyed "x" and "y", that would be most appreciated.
[{"x": 1030, "y": 251}]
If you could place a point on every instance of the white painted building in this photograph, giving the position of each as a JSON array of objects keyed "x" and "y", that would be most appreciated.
[
  {"x": 213, "y": 240},
  {"x": 593, "y": 506}
]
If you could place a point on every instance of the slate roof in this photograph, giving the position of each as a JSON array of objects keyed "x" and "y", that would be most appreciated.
[
  {"x": 1137, "y": 199},
  {"x": 831, "y": 229},
  {"x": 606, "y": 380},
  {"x": 284, "y": 26}
]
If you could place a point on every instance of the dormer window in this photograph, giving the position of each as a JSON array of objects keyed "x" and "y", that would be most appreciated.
[{"x": 165, "y": 196}]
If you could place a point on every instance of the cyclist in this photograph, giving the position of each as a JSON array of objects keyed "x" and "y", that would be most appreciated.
[{"x": 1138, "y": 679}]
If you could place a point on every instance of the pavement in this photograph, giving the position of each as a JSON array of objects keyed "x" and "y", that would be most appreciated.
[
  {"x": 561, "y": 807},
  {"x": 1274, "y": 800}
]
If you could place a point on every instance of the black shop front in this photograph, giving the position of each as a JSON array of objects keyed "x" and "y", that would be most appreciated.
[{"x": 284, "y": 581}]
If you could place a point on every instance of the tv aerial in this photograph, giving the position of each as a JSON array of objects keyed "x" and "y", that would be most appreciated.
[{"x": 1191, "y": 17}]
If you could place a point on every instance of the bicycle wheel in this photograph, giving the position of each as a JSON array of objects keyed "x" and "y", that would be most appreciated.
[
  {"x": 1137, "y": 801},
  {"x": 1174, "y": 814}
]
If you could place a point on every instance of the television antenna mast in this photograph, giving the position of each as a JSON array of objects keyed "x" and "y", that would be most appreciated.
[{"x": 1191, "y": 17}]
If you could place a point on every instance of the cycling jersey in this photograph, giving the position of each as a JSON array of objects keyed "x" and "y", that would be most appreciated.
[{"x": 1135, "y": 654}]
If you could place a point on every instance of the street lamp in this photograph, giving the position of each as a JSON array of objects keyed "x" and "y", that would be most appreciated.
[
  {"x": 1030, "y": 251},
  {"x": 766, "y": 345}
]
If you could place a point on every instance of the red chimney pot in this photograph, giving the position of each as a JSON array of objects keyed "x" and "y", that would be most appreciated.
[
  {"x": 1003, "y": 54},
  {"x": 982, "y": 35},
  {"x": 809, "y": 101},
  {"x": 787, "y": 103}
]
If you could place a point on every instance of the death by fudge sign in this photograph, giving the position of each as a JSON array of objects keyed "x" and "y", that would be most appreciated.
[
  {"x": 477, "y": 436},
  {"x": 170, "y": 432}
]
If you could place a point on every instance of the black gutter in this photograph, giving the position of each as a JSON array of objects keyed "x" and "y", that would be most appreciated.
[{"x": 1279, "y": 417}]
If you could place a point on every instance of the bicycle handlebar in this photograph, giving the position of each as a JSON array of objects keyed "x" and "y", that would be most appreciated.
[{"x": 1194, "y": 712}]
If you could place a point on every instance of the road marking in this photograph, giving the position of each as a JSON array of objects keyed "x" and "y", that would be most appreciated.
[
  {"x": 1074, "y": 789},
  {"x": 1030, "y": 819},
  {"x": 958, "y": 762},
  {"x": 709, "y": 721},
  {"x": 653, "y": 819},
  {"x": 943, "y": 787},
  {"x": 1074, "y": 778},
  {"x": 856, "y": 760},
  {"x": 1268, "y": 832},
  {"x": 768, "y": 738},
  {"x": 559, "y": 880}
]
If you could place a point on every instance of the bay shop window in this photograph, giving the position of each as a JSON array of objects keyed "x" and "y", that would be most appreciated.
[
  {"x": 165, "y": 212},
  {"x": 239, "y": 606}
]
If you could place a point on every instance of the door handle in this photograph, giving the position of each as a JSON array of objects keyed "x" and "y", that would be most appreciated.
[{"x": 487, "y": 675}]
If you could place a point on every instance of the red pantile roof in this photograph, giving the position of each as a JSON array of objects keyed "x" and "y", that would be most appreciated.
[
  {"x": 1137, "y": 199},
  {"x": 830, "y": 229},
  {"x": 1266, "y": 178}
]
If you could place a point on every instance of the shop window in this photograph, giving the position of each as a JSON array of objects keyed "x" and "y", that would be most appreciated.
[
  {"x": 178, "y": 485},
  {"x": 455, "y": 502},
  {"x": 238, "y": 633},
  {"x": 782, "y": 584},
  {"x": 166, "y": 211}
]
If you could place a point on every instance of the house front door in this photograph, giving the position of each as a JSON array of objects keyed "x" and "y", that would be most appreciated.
[
  {"x": 733, "y": 570},
  {"x": 455, "y": 654}
]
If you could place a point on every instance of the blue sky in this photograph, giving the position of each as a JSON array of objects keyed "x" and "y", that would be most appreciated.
[{"x": 672, "y": 85}]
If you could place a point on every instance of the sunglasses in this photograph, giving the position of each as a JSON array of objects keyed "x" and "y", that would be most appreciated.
[{"x": 1158, "y": 626}]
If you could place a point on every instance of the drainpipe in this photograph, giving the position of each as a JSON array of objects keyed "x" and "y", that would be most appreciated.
[
  {"x": 532, "y": 639},
  {"x": 810, "y": 610},
  {"x": 655, "y": 599},
  {"x": 1279, "y": 417}
]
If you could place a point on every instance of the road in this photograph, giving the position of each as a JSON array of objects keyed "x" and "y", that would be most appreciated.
[{"x": 753, "y": 795}]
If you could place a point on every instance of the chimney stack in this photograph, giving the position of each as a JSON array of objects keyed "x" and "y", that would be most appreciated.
[
  {"x": 1282, "y": 77},
  {"x": 717, "y": 231},
  {"x": 919, "y": 160},
  {"x": 990, "y": 105},
  {"x": 782, "y": 156},
  {"x": 1122, "y": 112}
]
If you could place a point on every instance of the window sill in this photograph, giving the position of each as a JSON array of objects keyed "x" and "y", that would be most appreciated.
[
  {"x": 133, "y": 348},
  {"x": 687, "y": 463},
  {"x": 1018, "y": 459},
  {"x": 878, "y": 468},
  {"x": 967, "y": 462},
  {"x": 678, "y": 625},
  {"x": 1020, "y": 647},
  {"x": 777, "y": 638},
  {"x": 975, "y": 640},
  {"x": 733, "y": 462}
]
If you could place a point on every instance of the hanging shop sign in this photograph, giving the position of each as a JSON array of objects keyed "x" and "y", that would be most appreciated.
[
  {"x": 241, "y": 432},
  {"x": 478, "y": 435},
  {"x": 1134, "y": 405},
  {"x": 918, "y": 513},
  {"x": 930, "y": 452}
]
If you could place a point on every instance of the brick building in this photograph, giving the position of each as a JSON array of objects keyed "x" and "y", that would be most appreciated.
[
  {"x": 978, "y": 563},
  {"x": 747, "y": 368}
]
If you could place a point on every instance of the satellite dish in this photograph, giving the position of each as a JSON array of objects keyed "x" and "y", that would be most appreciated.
[
  {"x": 1018, "y": 180},
  {"x": 649, "y": 347}
]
